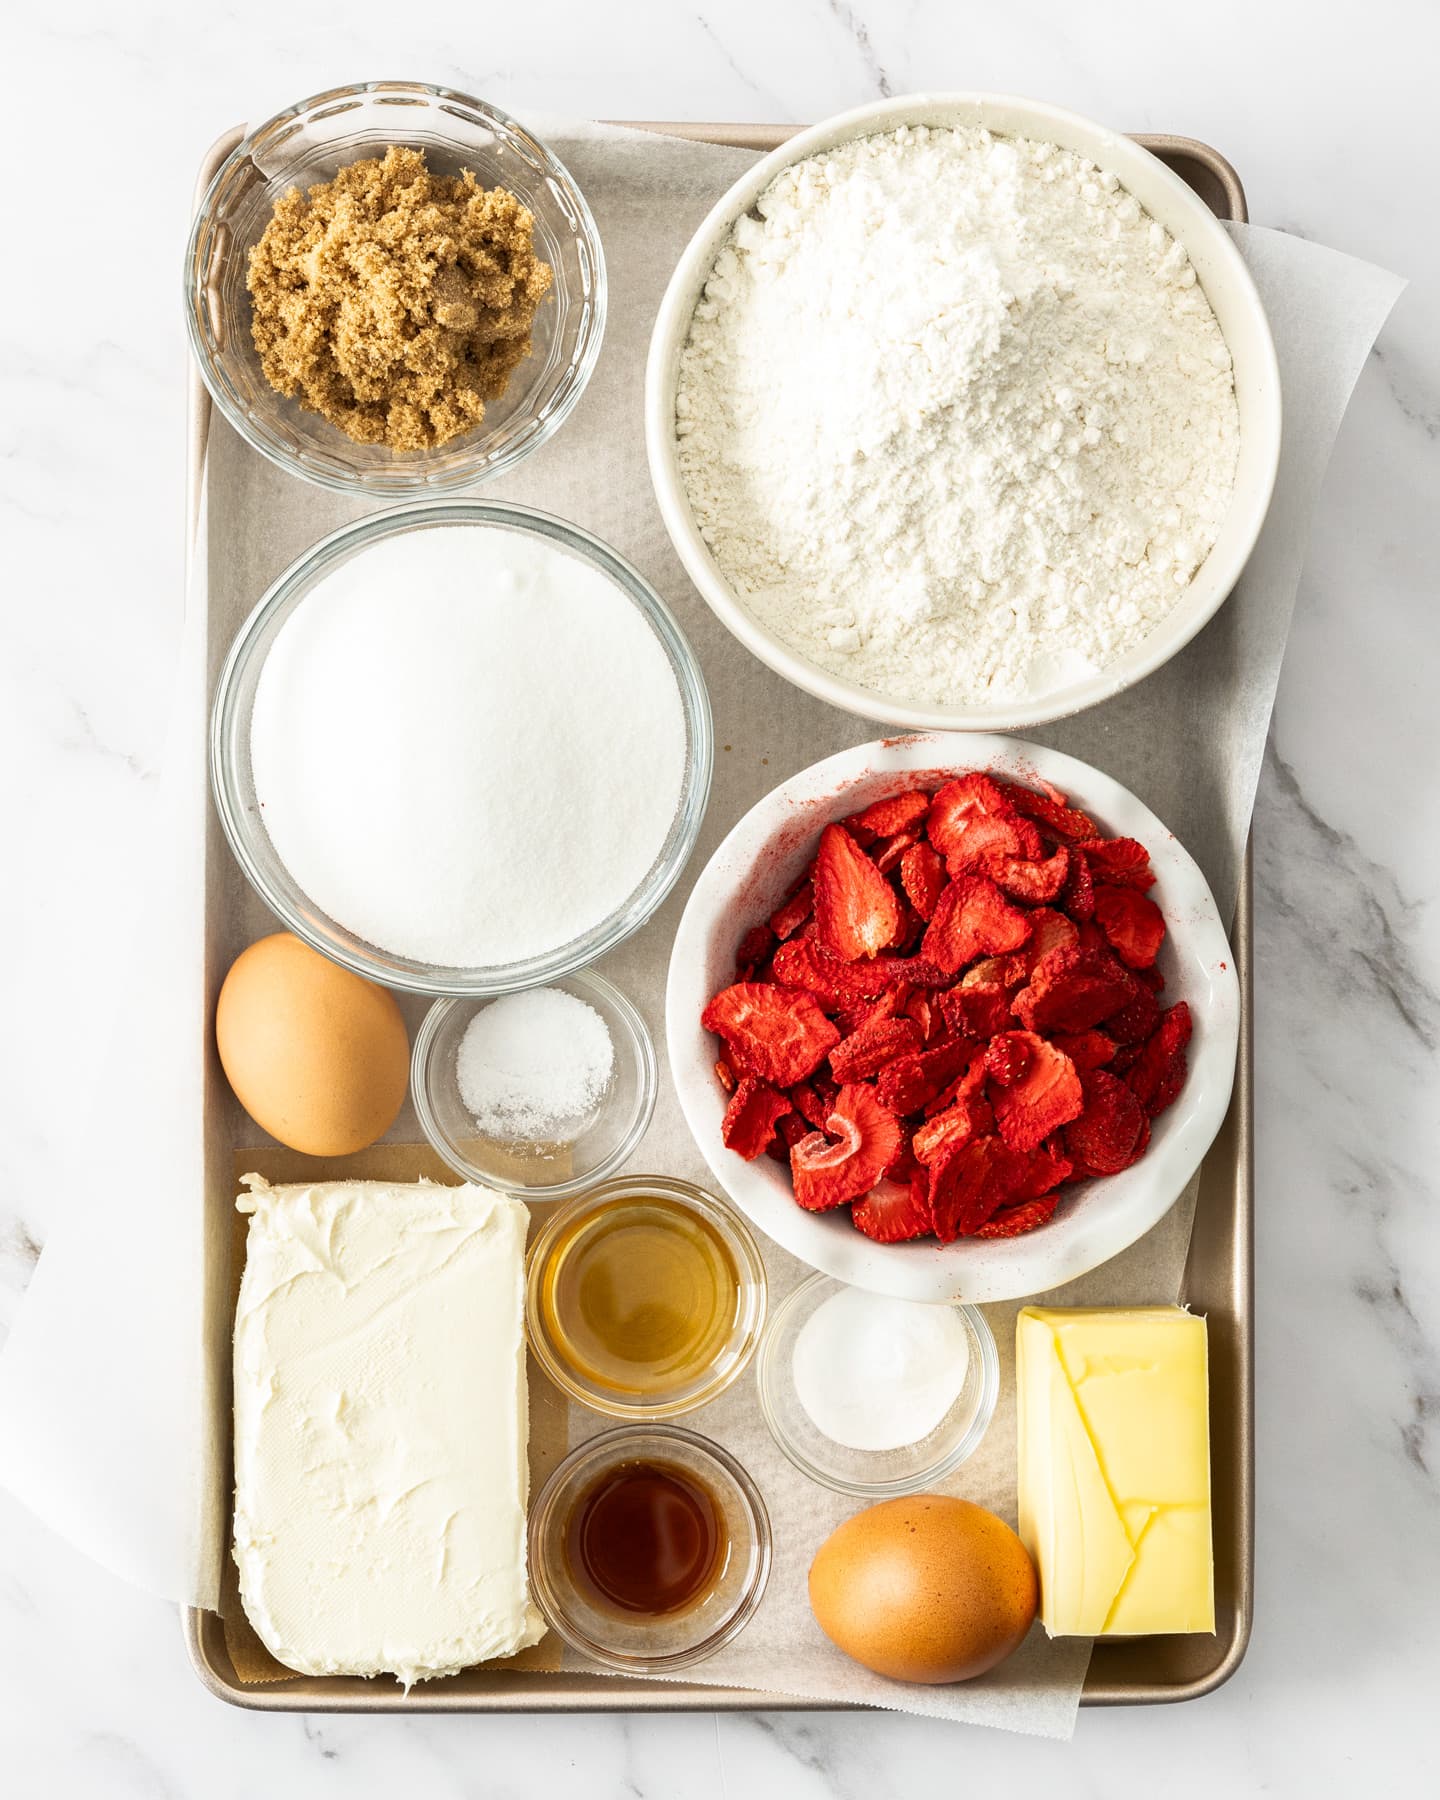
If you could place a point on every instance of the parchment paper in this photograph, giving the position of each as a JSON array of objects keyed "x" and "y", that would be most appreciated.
[{"x": 112, "y": 1394}]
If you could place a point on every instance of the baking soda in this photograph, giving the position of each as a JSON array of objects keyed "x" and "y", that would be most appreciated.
[{"x": 468, "y": 746}]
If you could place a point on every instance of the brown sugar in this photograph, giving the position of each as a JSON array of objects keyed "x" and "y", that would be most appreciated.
[{"x": 395, "y": 302}]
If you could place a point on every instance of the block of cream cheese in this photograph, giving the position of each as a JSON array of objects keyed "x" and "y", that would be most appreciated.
[
  {"x": 380, "y": 1427},
  {"x": 1114, "y": 1468}
]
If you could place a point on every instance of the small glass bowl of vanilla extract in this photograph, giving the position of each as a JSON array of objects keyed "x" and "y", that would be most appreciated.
[
  {"x": 649, "y": 1548},
  {"x": 645, "y": 1297}
]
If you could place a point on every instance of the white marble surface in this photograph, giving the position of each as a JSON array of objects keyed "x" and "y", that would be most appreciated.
[{"x": 1327, "y": 111}]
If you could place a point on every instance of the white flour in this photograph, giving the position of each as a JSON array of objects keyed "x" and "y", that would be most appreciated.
[
  {"x": 468, "y": 745},
  {"x": 954, "y": 415}
]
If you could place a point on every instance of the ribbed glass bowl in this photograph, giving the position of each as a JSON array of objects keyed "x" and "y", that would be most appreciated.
[
  {"x": 233, "y": 784},
  {"x": 308, "y": 144}
]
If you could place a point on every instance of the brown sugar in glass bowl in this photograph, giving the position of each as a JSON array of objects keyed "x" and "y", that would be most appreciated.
[
  {"x": 396, "y": 302},
  {"x": 308, "y": 146}
]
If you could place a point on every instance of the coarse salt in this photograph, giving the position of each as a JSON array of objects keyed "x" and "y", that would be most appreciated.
[
  {"x": 534, "y": 1065},
  {"x": 468, "y": 746}
]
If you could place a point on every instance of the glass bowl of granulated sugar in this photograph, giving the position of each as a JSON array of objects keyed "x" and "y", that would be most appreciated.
[{"x": 461, "y": 747}]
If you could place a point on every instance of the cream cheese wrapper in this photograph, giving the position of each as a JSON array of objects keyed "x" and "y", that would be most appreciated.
[{"x": 381, "y": 1427}]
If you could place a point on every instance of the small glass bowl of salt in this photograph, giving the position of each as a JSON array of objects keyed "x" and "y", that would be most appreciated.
[
  {"x": 876, "y": 1396},
  {"x": 540, "y": 1092}
]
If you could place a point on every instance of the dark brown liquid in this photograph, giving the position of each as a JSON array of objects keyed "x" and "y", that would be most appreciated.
[{"x": 646, "y": 1537}]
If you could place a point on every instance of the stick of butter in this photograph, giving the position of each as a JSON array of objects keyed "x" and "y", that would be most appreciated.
[{"x": 1114, "y": 1468}]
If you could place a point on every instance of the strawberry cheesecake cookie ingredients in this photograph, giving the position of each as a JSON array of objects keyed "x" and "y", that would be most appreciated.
[{"x": 955, "y": 1015}]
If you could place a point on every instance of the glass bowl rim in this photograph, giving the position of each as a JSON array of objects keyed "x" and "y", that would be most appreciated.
[
  {"x": 766, "y": 1378},
  {"x": 762, "y": 1546},
  {"x": 469, "y": 471},
  {"x": 289, "y": 590},
  {"x": 638, "y": 1032},
  {"x": 754, "y": 1293}
]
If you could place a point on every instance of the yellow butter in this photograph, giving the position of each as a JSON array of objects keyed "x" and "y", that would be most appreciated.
[{"x": 1114, "y": 1468}]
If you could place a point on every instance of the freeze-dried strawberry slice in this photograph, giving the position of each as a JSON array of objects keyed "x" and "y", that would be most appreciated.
[
  {"x": 725, "y": 1075},
  {"x": 970, "y": 819},
  {"x": 789, "y": 1129},
  {"x": 1039, "y": 1092},
  {"x": 924, "y": 1010},
  {"x": 1103, "y": 1140},
  {"x": 979, "y": 1011},
  {"x": 895, "y": 1211},
  {"x": 1015, "y": 1221},
  {"x": 970, "y": 1182},
  {"x": 923, "y": 877},
  {"x": 897, "y": 812},
  {"x": 775, "y": 1033},
  {"x": 966, "y": 1115},
  {"x": 1050, "y": 810},
  {"x": 1071, "y": 990},
  {"x": 908, "y": 932},
  {"x": 1087, "y": 1049},
  {"x": 1008, "y": 1056},
  {"x": 811, "y": 1106},
  {"x": 1049, "y": 930},
  {"x": 1121, "y": 861},
  {"x": 1008, "y": 972},
  {"x": 1134, "y": 1023},
  {"x": 891, "y": 850},
  {"x": 755, "y": 946},
  {"x": 786, "y": 920},
  {"x": 1044, "y": 1170},
  {"x": 751, "y": 1117},
  {"x": 1077, "y": 897},
  {"x": 1132, "y": 923},
  {"x": 973, "y": 919},
  {"x": 866, "y": 1139},
  {"x": 801, "y": 963},
  {"x": 868, "y": 1050},
  {"x": 1159, "y": 1071},
  {"x": 856, "y": 911},
  {"x": 912, "y": 1082},
  {"x": 1035, "y": 883}
]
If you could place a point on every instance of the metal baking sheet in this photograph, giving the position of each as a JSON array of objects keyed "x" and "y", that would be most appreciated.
[{"x": 1218, "y": 1282}]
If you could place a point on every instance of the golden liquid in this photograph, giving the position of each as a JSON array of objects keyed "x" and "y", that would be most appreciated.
[{"x": 640, "y": 1296}]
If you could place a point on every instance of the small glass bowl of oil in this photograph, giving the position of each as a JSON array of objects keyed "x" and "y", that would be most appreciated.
[
  {"x": 645, "y": 1296},
  {"x": 649, "y": 1548}
]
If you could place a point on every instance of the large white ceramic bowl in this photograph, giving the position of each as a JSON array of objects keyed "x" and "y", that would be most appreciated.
[
  {"x": 1227, "y": 284},
  {"x": 751, "y": 873}
]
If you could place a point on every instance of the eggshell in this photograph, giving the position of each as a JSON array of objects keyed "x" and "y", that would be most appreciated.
[
  {"x": 317, "y": 1056},
  {"x": 928, "y": 1588}
]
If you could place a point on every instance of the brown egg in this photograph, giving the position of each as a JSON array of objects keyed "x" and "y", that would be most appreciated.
[
  {"x": 927, "y": 1588},
  {"x": 317, "y": 1056}
]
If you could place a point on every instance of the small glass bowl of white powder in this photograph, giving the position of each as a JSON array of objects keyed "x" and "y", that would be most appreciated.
[
  {"x": 540, "y": 1092},
  {"x": 872, "y": 1395}
]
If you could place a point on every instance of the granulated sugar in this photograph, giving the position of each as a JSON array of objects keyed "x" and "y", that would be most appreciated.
[
  {"x": 468, "y": 746},
  {"x": 533, "y": 1064}
]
